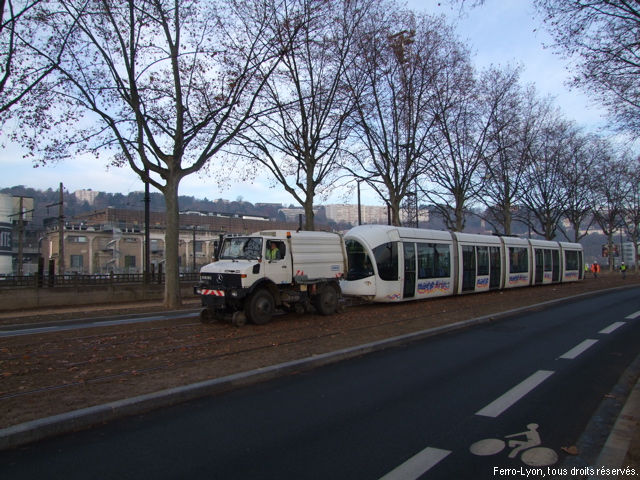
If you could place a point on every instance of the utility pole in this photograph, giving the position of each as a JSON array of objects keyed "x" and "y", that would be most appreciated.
[
  {"x": 61, "y": 232},
  {"x": 194, "y": 248},
  {"x": 20, "y": 236},
  {"x": 147, "y": 235},
  {"x": 359, "y": 205}
]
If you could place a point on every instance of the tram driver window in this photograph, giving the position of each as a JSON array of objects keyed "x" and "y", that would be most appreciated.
[
  {"x": 359, "y": 263},
  {"x": 387, "y": 261}
]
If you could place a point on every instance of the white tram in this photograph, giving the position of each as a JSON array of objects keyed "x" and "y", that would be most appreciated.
[{"x": 395, "y": 264}]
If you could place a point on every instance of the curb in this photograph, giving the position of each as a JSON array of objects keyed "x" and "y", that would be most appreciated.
[
  {"x": 24, "y": 433},
  {"x": 615, "y": 449}
]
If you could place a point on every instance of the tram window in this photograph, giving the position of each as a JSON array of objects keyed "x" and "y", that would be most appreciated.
[
  {"x": 548, "y": 262},
  {"x": 483, "y": 260},
  {"x": 386, "y": 256},
  {"x": 360, "y": 265},
  {"x": 443, "y": 261},
  {"x": 519, "y": 260},
  {"x": 433, "y": 260},
  {"x": 571, "y": 261},
  {"x": 426, "y": 254}
]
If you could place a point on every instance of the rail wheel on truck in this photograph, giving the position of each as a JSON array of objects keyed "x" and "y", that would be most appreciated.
[{"x": 260, "y": 307}]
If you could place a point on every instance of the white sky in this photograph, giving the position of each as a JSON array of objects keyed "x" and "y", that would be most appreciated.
[{"x": 500, "y": 32}]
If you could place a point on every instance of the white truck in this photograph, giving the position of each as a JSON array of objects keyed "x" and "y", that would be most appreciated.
[{"x": 255, "y": 274}]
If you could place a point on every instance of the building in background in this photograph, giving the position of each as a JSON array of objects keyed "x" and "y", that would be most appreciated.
[
  {"x": 371, "y": 214},
  {"x": 112, "y": 240},
  {"x": 88, "y": 196}
]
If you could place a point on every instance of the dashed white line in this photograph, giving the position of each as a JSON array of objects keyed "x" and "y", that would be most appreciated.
[
  {"x": 578, "y": 349},
  {"x": 611, "y": 328},
  {"x": 633, "y": 316},
  {"x": 417, "y": 465},
  {"x": 502, "y": 403}
]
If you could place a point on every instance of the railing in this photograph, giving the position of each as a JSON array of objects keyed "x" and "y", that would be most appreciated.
[{"x": 69, "y": 280}]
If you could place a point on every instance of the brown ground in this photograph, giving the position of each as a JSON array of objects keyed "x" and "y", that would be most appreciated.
[{"x": 51, "y": 373}]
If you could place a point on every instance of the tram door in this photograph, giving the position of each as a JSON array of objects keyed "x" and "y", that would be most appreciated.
[
  {"x": 468, "y": 268},
  {"x": 495, "y": 260},
  {"x": 539, "y": 258},
  {"x": 409, "y": 250},
  {"x": 555, "y": 255}
]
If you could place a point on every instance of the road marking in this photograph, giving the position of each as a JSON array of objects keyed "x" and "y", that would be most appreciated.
[
  {"x": 611, "y": 328},
  {"x": 417, "y": 465},
  {"x": 633, "y": 316},
  {"x": 578, "y": 349},
  {"x": 500, "y": 404}
]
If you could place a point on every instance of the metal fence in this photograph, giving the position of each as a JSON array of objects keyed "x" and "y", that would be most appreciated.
[{"x": 77, "y": 280}]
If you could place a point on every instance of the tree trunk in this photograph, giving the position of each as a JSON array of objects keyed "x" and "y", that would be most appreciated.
[
  {"x": 309, "y": 216},
  {"x": 172, "y": 283},
  {"x": 309, "y": 222},
  {"x": 395, "y": 213}
]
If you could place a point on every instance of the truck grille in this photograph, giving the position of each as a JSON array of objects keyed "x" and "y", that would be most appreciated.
[{"x": 221, "y": 280}]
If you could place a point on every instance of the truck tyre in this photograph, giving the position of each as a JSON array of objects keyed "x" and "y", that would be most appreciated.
[
  {"x": 326, "y": 301},
  {"x": 260, "y": 307},
  {"x": 238, "y": 319}
]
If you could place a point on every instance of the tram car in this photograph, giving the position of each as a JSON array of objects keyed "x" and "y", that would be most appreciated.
[{"x": 395, "y": 264}]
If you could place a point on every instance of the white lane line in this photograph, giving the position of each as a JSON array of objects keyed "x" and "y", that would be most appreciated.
[
  {"x": 578, "y": 349},
  {"x": 499, "y": 405},
  {"x": 417, "y": 465},
  {"x": 633, "y": 316},
  {"x": 611, "y": 328}
]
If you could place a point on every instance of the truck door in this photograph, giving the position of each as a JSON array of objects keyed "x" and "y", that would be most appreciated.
[{"x": 277, "y": 262}]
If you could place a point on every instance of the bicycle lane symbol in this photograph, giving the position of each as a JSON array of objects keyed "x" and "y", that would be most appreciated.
[{"x": 532, "y": 454}]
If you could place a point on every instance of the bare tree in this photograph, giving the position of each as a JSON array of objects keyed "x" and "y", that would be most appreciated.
[
  {"x": 466, "y": 112},
  {"x": 402, "y": 57},
  {"x": 610, "y": 188},
  {"x": 545, "y": 195},
  {"x": 21, "y": 68},
  {"x": 504, "y": 172},
  {"x": 631, "y": 208},
  {"x": 298, "y": 142},
  {"x": 162, "y": 85},
  {"x": 584, "y": 152},
  {"x": 602, "y": 37}
]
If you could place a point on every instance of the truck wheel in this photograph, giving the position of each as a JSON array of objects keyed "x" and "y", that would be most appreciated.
[
  {"x": 260, "y": 307},
  {"x": 326, "y": 301},
  {"x": 238, "y": 319}
]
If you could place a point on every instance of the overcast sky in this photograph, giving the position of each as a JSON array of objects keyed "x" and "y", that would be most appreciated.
[{"x": 500, "y": 32}]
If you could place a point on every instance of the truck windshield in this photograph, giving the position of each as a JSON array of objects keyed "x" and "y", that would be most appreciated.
[{"x": 247, "y": 248}]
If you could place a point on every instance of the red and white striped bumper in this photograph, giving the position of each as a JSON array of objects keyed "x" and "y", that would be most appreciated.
[{"x": 206, "y": 291}]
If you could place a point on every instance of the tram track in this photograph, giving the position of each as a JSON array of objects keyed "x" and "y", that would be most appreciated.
[
  {"x": 51, "y": 373},
  {"x": 173, "y": 357}
]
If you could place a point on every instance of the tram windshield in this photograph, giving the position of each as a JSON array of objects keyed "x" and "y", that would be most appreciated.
[
  {"x": 360, "y": 265},
  {"x": 245, "y": 248}
]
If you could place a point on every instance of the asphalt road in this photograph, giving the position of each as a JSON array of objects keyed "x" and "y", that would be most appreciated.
[{"x": 506, "y": 395}]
